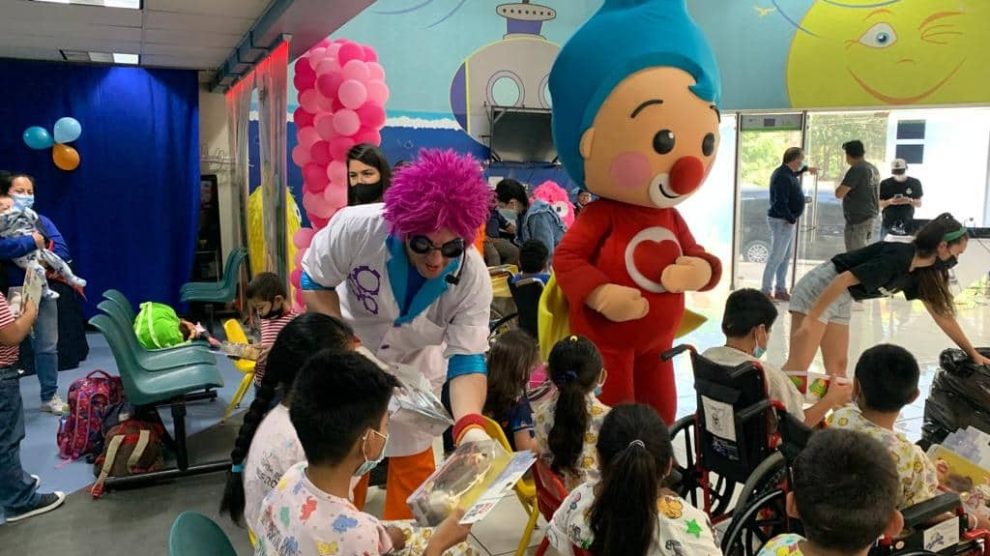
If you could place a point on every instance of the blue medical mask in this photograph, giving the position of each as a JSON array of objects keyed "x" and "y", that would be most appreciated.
[
  {"x": 759, "y": 352},
  {"x": 22, "y": 201},
  {"x": 508, "y": 214},
  {"x": 370, "y": 464}
]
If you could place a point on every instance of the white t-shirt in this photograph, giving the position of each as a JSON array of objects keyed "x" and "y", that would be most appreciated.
[
  {"x": 681, "y": 528},
  {"x": 274, "y": 449},
  {"x": 780, "y": 386}
]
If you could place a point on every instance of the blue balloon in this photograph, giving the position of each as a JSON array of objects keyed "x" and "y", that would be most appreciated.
[
  {"x": 67, "y": 130},
  {"x": 38, "y": 138}
]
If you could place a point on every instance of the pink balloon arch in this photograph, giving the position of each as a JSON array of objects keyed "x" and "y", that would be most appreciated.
[{"x": 342, "y": 96}]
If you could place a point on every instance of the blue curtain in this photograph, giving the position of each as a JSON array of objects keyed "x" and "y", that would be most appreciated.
[{"x": 129, "y": 213}]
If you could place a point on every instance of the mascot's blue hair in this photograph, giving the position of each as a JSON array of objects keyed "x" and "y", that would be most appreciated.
[{"x": 622, "y": 38}]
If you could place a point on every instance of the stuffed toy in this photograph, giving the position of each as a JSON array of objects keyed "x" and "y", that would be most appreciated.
[
  {"x": 556, "y": 196},
  {"x": 636, "y": 123}
]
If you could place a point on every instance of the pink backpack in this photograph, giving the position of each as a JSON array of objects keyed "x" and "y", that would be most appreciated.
[{"x": 80, "y": 432}]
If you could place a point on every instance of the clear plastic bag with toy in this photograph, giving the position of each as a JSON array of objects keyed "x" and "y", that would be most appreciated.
[
  {"x": 813, "y": 385},
  {"x": 459, "y": 482}
]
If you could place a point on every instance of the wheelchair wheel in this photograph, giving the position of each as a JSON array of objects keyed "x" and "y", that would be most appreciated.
[
  {"x": 770, "y": 474},
  {"x": 753, "y": 526},
  {"x": 690, "y": 480},
  {"x": 498, "y": 324}
]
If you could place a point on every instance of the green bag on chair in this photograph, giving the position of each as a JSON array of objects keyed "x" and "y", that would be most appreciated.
[{"x": 157, "y": 326}]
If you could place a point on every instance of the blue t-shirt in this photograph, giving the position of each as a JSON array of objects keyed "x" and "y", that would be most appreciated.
[{"x": 519, "y": 418}]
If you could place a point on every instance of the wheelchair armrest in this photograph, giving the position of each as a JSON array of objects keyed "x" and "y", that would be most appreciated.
[{"x": 923, "y": 512}]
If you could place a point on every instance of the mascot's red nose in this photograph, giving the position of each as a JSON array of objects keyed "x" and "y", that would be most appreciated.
[{"x": 686, "y": 175}]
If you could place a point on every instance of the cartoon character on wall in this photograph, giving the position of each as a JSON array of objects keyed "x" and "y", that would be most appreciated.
[
  {"x": 510, "y": 72},
  {"x": 556, "y": 196},
  {"x": 637, "y": 125},
  {"x": 865, "y": 53}
]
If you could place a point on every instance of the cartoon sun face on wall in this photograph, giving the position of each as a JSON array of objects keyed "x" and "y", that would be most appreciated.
[{"x": 890, "y": 52}]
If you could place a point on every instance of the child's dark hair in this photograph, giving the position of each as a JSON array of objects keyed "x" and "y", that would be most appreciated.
[
  {"x": 888, "y": 377},
  {"x": 933, "y": 282},
  {"x": 303, "y": 336},
  {"x": 338, "y": 396},
  {"x": 265, "y": 286},
  {"x": 846, "y": 489},
  {"x": 533, "y": 256},
  {"x": 510, "y": 361},
  {"x": 575, "y": 366},
  {"x": 634, "y": 455},
  {"x": 745, "y": 310}
]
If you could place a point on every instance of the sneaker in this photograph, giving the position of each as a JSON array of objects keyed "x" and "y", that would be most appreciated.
[
  {"x": 782, "y": 296},
  {"x": 54, "y": 405},
  {"x": 46, "y": 503},
  {"x": 37, "y": 481}
]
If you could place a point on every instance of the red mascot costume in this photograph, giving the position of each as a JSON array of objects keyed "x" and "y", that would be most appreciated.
[{"x": 635, "y": 121}]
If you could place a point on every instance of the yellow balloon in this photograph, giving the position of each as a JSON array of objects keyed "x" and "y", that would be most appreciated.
[
  {"x": 256, "y": 235},
  {"x": 866, "y": 53},
  {"x": 65, "y": 157}
]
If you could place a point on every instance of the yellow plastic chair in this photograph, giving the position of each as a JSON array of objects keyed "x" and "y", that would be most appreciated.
[
  {"x": 525, "y": 489},
  {"x": 500, "y": 276},
  {"x": 235, "y": 335}
]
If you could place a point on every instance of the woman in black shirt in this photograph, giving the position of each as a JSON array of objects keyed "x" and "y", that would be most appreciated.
[{"x": 822, "y": 300}]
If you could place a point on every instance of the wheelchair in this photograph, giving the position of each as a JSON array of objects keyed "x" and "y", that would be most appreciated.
[
  {"x": 516, "y": 304},
  {"x": 765, "y": 516},
  {"x": 727, "y": 452}
]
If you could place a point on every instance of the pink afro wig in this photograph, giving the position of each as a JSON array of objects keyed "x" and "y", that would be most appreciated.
[{"x": 440, "y": 189}]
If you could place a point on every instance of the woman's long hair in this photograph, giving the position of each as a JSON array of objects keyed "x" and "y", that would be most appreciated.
[
  {"x": 510, "y": 361},
  {"x": 933, "y": 281},
  {"x": 374, "y": 157},
  {"x": 296, "y": 343},
  {"x": 634, "y": 453},
  {"x": 575, "y": 366}
]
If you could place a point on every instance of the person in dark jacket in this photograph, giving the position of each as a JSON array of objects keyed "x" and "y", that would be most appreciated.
[
  {"x": 786, "y": 206},
  {"x": 533, "y": 218}
]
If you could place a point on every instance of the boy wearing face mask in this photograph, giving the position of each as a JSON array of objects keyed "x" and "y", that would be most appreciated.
[
  {"x": 269, "y": 301},
  {"x": 900, "y": 194},
  {"x": 18, "y": 220},
  {"x": 749, "y": 315},
  {"x": 340, "y": 414}
]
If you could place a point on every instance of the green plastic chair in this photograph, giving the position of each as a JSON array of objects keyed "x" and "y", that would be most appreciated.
[
  {"x": 144, "y": 387},
  {"x": 194, "y": 534},
  {"x": 156, "y": 360},
  {"x": 217, "y": 292},
  {"x": 120, "y": 299}
]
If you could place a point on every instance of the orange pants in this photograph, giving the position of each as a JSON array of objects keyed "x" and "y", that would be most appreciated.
[{"x": 405, "y": 474}]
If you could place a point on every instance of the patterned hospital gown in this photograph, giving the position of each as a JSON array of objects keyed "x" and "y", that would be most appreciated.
[
  {"x": 299, "y": 519},
  {"x": 787, "y": 544},
  {"x": 588, "y": 460},
  {"x": 919, "y": 480},
  {"x": 682, "y": 529}
]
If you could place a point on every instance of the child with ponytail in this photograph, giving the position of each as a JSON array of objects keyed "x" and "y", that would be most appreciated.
[
  {"x": 567, "y": 424},
  {"x": 628, "y": 513},
  {"x": 267, "y": 444}
]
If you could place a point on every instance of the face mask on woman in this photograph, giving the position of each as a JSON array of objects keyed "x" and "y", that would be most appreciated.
[
  {"x": 364, "y": 193},
  {"x": 23, "y": 201}
]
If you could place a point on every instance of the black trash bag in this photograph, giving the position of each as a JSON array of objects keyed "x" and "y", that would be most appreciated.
[{"x": 959, "y": 397}]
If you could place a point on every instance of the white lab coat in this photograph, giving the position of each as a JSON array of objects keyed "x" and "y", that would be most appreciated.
[{"x": 351, "y": 252}]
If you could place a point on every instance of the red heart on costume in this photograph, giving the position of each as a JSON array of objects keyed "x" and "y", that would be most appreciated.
[{"x": 652, "y": 257}]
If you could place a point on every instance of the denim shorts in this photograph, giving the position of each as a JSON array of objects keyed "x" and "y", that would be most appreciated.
[{"x": 811, "y": 285}]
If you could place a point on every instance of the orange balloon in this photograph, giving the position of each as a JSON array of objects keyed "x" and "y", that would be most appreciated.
[{"x": 65, "y": 157}]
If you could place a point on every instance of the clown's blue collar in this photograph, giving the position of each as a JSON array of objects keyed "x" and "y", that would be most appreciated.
[{"x": 398, "y": 268}]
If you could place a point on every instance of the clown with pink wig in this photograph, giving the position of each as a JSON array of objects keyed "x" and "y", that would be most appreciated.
[{"x": 405, "y": 276}]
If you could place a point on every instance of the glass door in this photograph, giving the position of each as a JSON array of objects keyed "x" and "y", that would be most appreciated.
[
  {"x": 762, "y": 140},
  {"x": 820, "y": 234}
]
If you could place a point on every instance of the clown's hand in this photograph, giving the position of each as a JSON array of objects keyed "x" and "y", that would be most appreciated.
[
  {"x": 686, "y": 274},
  {"x": 618, "y": 303},
  {"x": 473, "y": 435},
  {"x": 469, "y": 429}
]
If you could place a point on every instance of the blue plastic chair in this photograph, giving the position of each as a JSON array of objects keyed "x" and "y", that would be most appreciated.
[{"x": 194, "y": 534}]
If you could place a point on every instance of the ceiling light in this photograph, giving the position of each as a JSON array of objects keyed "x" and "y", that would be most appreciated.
[
  {"x": 119, "y": 58},
  {"x": 127, "y": 4}
]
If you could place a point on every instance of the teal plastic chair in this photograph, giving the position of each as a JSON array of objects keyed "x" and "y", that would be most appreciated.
[
  {"x": 120, "y": 299},
  {"x": 168, "y": 387},
  {"x": 217, "y": 292},
  {"x": 194, "y": 534},
  {"x": 155, "y": 360}
]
